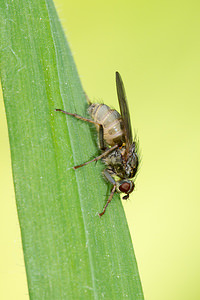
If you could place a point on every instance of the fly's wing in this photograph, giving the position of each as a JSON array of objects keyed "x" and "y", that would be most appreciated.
[{"x": 124, "y": 110}]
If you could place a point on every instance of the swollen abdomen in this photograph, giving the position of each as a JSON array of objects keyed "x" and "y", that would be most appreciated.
[{"x": 111, "y": 121}]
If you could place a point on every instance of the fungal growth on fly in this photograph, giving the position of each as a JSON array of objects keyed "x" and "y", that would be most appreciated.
[{"x": 119, "y": 150}]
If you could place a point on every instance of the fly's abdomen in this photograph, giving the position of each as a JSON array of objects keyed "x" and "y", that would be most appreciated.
[{"x": 111, "y": 121}]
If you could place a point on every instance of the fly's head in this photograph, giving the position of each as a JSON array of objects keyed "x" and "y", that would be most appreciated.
[{"x": 125, "y": 186}]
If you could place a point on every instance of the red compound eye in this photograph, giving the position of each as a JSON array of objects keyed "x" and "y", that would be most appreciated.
[{"x": 126, "y": 187}]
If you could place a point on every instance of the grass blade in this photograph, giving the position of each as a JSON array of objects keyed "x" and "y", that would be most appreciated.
[{"x": 69, "y": 252}]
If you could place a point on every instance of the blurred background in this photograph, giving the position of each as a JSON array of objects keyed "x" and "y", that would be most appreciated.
[{"x": 155, "y": 46}]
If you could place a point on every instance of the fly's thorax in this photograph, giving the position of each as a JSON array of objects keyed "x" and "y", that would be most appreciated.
[
  {"x": 115, "y": 163},
  {"x": 111, "y": 121},
  {"x": 121, "y": 165}
]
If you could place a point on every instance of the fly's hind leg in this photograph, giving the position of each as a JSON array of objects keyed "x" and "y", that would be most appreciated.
[
  {"x": 113, "y": 182},
  {"x": 78, "y": 116},
  {"x": 101, "y": 131}
]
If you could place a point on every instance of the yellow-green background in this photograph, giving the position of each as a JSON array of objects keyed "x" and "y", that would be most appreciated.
[{"x": 155, "y": 45}]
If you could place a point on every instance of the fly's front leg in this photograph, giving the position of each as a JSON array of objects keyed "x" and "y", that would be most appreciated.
[
  {"x": 113, "y": 182},
  {"x": 109, "y": 177}
]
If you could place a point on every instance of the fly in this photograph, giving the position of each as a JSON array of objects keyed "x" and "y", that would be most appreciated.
[{"x": 119, "y": 150}]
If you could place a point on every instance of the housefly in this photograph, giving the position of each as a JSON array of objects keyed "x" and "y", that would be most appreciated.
[{"x": 119, "y": 150}]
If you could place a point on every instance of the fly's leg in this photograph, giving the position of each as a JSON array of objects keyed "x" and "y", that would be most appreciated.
[
  {"x": 98, "y": 157},
  {"x": 112, "y": 181},
  {"x": 109, "y": 177},
  {"x": 78, "y": 117},
  {"x": 101, "y": 131},
  {"x": 109, "y": 200}
]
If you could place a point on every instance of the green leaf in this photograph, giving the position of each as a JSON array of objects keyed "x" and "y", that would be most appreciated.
[{"x": 69, "y": 252}]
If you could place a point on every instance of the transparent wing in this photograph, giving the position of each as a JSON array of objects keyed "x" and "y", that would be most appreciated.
[{"x": 124, "y": 110}]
